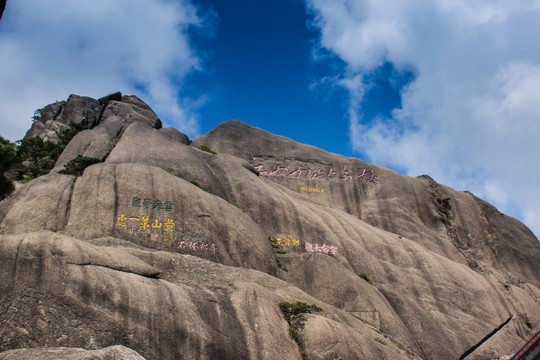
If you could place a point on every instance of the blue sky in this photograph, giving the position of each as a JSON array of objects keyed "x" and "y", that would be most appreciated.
[
  {"x": 445, "y": 88},
  {"x": 261, "y": 70}
]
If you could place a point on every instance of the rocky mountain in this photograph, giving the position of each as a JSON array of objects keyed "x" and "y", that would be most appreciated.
[{"x": 242, "y": 244}]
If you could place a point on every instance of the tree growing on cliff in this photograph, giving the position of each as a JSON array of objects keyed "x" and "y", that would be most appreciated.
[{"x": 8, "y": 156}]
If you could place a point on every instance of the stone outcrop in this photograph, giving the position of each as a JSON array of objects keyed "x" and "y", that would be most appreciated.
[
  {"x": 89, "y": 112},
  {"x": 110, "y": 353},
  {"x": 179, "y": 249}
]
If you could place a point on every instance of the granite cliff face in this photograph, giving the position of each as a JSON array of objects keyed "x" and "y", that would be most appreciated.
[{"x": 168, "y": 251}]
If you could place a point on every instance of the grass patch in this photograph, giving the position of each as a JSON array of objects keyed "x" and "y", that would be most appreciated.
[
  {"x": 207, "y": 149},
  {"x": 181, "y": 175},
  {"x": 367, "y": 278},
  {"x": 381, "y": 341},
  {"x": 281, "y": 252},
  {"x": 196, "y": 183}
]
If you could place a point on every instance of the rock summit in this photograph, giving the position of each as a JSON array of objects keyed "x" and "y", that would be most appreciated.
[{"x": 242, "y": 244}]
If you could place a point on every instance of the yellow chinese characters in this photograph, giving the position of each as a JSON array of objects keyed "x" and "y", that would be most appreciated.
[
  {"x": 169, "y": 225},
  {"x": 286, "y": 240},
  {"x": 311, "y": 189},
  {"x": 121, "y": 220}
]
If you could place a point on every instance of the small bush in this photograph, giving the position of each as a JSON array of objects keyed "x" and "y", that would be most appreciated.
[
  {"x": 181, "y": 175},
  {"x": 196, "y": 183},
  {"x": 281, "y": 252},
  {"x": 6, "y": 187},
  {"x": 297, "y": 308},
  {"x": 8, "y": 157},
  {"x": 367, "y": 278},
  {"x": 76, "y": 166},
  {"x": 66, "y": 135},
  {"x": 207, "y": 149},
  {"x": 26, "y": 178},
  {"x": 381, "y": 341},
  {"x": 274, "y": 243},
  {"x": 293, "y": 334},
  {"x": 294, "y": 314}
]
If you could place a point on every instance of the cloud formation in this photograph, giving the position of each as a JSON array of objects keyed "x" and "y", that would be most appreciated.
[
  {"x": 470, "y": 118},
  {"x": 49, "y": 49}
]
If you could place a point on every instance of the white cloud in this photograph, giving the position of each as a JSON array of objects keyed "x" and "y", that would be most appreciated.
[
  {"x": 471, "y": 116},
  {"x": 49, "y": 49}
]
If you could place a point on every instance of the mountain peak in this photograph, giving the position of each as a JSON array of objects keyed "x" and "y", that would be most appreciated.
[{"x": 242, "y": 244}]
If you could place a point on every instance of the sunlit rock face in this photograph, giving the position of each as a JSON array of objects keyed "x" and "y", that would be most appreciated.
[{"x": 179, "y": 249}]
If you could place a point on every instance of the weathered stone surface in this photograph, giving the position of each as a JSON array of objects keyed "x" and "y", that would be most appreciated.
[
  {"x": 41, "y": 204},
  {"x": 198, "y": 310},
  {"x": 104, "y": 100},
  {"x": 176, "y": 135},
  {"x": 164, "y": 248},
  {"x": 130, "y": 112},
  {"x": 82, "y": 110},
  {"x": 90, "y": 112},
  {"x": 96, "y": 143},
  {"x": 111, "y": 353},
  {"x": 49, "y": 122}
]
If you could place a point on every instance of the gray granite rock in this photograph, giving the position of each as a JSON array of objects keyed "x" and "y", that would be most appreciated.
[
  {"x": 166, "y": 249},
  {"x": 110, "y": 353}
]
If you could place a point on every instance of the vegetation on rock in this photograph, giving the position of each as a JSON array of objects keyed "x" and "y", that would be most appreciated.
[
  {"x": 34, "y": 156},
  {"x": 294, "y": 313},
  {"x": 367, "y": 278},
  {"x": 274, "y": 243},
  {"x": 207, "y": 149},
  {"x": 172, "y": 271},
  {"x": 8, "y": 156},
  {"x": 77, "y": 165}
]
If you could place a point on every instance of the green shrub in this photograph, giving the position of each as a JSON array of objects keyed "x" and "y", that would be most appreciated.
[
  {"x": 77, "y": 165},
  {"x": 274, "y": 243},
  {"x": 281, "y": 252},
  {"x": 196, "y": 183},
  {"x": 207, "y": 149},
  {"x": 26, "y": 178},
  {"x": 367, "y": 278},
  {"x": 293, "y": 334},
  {"x": 66, "y": 135},
  {"x": 381, "y": 341},
  {"x": 8, "y": 157},
  {"x": 6, "y": 187},
  {"x": 38, "y": 155},
  {"x": 289, "y": 309},
  {"x": 294, "y": 314},
  {"x": 181, "y": 175}
]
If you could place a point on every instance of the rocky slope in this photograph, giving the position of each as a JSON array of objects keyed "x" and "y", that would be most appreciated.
[{"x": 167, "y": 251}]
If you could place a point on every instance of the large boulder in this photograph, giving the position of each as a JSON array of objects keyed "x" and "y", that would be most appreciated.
[
  {"x": 177, "y": 251},
  {"x": 81, "y": 110},
  {"x": 47, "y": 122},
  {"x": 117, "y": 352}
]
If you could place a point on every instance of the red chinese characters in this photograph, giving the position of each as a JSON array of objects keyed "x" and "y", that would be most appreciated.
[{"x": 346, "y": 174}]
